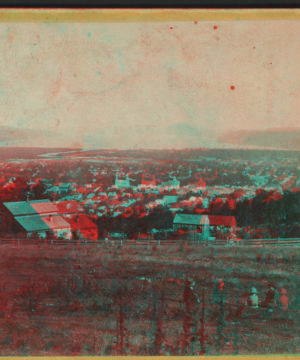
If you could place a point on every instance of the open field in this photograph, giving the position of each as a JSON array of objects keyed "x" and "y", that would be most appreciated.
[{"x": 89, "y": 301}]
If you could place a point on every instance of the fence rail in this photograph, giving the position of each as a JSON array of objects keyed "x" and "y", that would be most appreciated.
[{"x": 15, "y": 242}]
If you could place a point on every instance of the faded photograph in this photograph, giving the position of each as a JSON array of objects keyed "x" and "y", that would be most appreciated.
[{"x": 149, "y": 188}]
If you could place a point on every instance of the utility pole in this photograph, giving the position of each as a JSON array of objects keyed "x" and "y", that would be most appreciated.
[
  {"x": 120, "y": 295},
  {"x": 236, "y": 328},
  {"x": 154, "y": 320},
  {"x": 121, "y": 323}
]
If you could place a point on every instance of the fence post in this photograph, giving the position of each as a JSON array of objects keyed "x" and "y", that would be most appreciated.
[
  {"x": 236, "y": 327},
  {"x": 202, "y": 338}
]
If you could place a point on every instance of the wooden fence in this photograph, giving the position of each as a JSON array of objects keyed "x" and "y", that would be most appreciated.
[{"x": 15, "y": 242}]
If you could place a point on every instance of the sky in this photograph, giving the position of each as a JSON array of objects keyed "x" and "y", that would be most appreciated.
[{"x": 146, "y": 86}]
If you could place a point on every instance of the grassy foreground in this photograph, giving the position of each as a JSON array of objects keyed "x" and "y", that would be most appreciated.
[{"x": 94, "y": 301}]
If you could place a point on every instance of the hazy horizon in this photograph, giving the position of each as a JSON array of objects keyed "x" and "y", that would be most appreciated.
[{"x": 150, "y": 86}]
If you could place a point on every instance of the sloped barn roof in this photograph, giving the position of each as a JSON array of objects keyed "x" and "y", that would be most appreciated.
[
  {"x": 190, "y": 219},
  {"x": 23, "y": 207},
  {"x": 80, "y": 222},
  {"x": 221, "y": 220},
  {"x": 32, "y": 223}
]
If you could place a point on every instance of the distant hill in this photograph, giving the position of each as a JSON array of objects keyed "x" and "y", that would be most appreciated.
[
  {"x": 15, "y": 153},
  {"x": 288, "y": 139}
]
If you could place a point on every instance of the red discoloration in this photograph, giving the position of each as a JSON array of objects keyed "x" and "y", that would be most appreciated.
[
  {"x": 232, "y": 87},
  {"x": 171, "y": 27},
  {"x": 215, "y": 27},
  {"x": 196, "y": 22}
]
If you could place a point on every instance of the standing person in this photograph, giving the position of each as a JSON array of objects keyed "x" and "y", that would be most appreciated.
[
  {"x": 271, "y": 299},
  {"x": 283, "y": 299},
  {"x": 219, "y": 299},
  {"x": 253, "y": 303},
  {"x": 283, "y": 304},
  {"x": 253, "y": 300}
]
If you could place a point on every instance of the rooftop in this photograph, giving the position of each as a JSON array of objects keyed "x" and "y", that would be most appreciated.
[
  {"x": 79, "y": 222},
  {"x": 56, "y": 222},
  {"x": 69, "y": 207},
  {"x": 32, "y": 223},
  {"x": 44, "y": 207},
  {"x": 221, "y": 220},
  {"x": 24, "y": 207},
  {"x": 190, "y": 219}
]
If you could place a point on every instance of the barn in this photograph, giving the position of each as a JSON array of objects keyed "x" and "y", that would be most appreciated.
[
  {"x": 43, "y": 226},
  {"x": 222, "y": 225},
  {"x": 82, "y": 227},
  {"x": 42, "y": 217},
  {"x": 192, "y": 222},
  {"x": 207, "y": 225},
  {"x": 10, "y": 211}
]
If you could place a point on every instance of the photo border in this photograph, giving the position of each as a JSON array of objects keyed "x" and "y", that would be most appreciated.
[{"x": 147, "y": 15}]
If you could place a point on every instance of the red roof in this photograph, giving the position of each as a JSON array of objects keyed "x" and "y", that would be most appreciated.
[
  {"x": 80, "y": 222},
  {"x": 148, "y": 183},
  {"x": 44, "y": 207},
  {"x": 201, "y": 183},
  {"x": 221, "y": 220},
  {"x": 56, "y": 223},
  {"x": 69, "y": 207},
  {"x": 200, "y": 211}
]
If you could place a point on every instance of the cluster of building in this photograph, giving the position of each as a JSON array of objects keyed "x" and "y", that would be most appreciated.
[
  {"x": 67, "y": 220},
  {"x": 116, "y": 191},
  {"x": 62, "y": 219},
  {"x": 124, "y": 198}
]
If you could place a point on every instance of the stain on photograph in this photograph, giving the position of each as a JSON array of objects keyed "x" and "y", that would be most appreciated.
[{"x": 149, "y": 188}]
